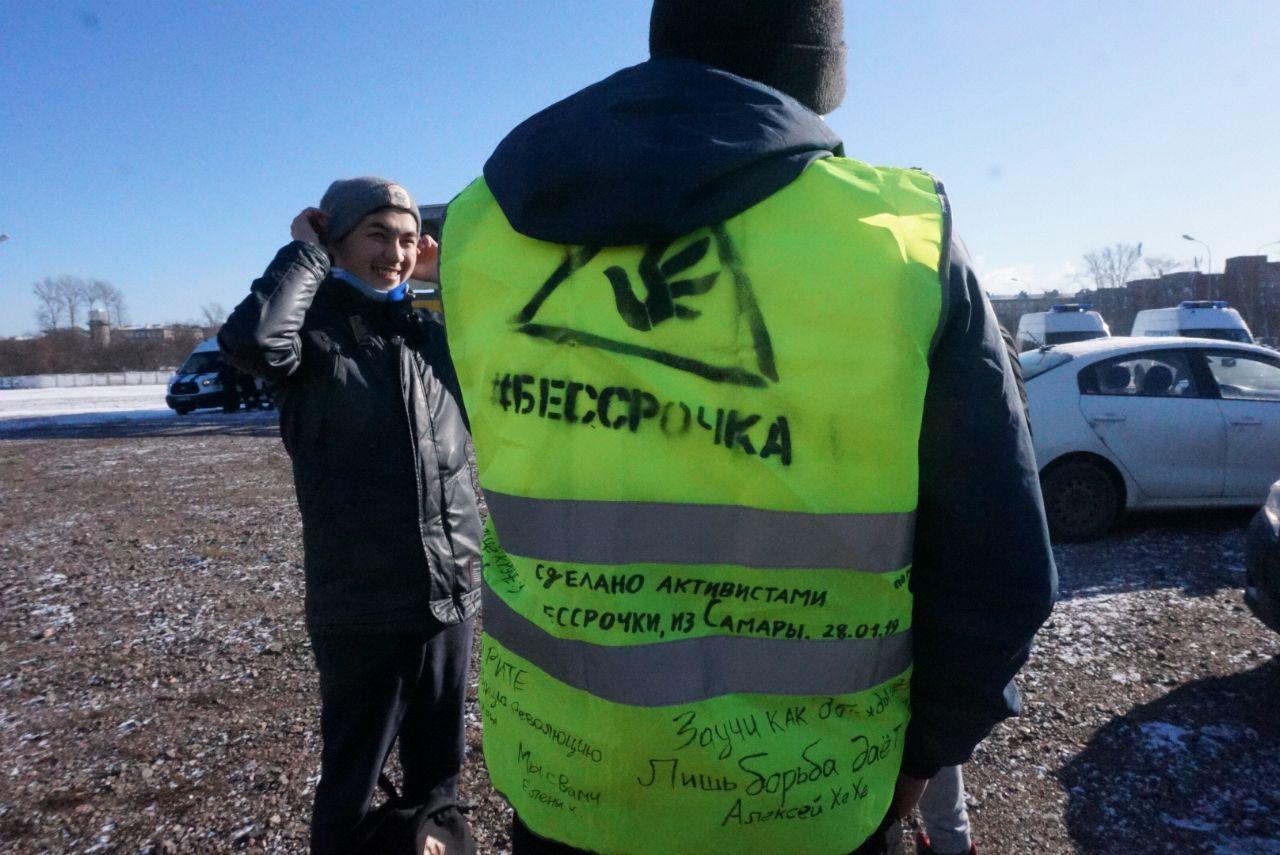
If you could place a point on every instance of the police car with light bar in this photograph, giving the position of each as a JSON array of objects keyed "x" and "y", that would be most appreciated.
[
  {"x": 1194, "y": 319},
  {"x": 1063, "y": 323}
]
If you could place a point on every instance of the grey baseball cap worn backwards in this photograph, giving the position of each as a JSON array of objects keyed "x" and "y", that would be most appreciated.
[{"x": 350, "y": 200}]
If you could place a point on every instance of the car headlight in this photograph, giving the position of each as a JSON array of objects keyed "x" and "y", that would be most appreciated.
[{"x": 1272, "y": 508}]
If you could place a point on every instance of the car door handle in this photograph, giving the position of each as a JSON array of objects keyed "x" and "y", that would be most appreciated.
[
  {"x": 1248, "y": 420},
  {"x": 1106, "y": 417}
]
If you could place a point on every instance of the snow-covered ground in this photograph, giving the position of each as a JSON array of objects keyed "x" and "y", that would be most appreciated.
[
  {"x": 120, "y": 411},
  {"x": 117, "y": 401}
]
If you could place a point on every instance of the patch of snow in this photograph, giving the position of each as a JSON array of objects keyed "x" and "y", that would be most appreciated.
[
  {"x": 34, "y": 403},
  {"x": 1256, "y": 845},
  {"x": 56, "y": 615},
  {"x": 50, "y": 579},
  {"x": 1162, "y": 736},
  {"x": 1188, "y": 824},
  {"x": 83, "y": 419},
  {"x": 1228, "y": 732}
]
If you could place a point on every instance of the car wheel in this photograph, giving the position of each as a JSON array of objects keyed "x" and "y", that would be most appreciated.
[
  {"x": 182, "y": 411},
  {"x": 1080, "y": 500}
]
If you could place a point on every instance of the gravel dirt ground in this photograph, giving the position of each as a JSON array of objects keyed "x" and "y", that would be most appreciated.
[{"x": 157, "y": 692}]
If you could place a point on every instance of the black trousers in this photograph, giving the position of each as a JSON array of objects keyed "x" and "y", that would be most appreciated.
[
  {"x": 887, "y": 840},
  {"x": 374, "y": 688}
]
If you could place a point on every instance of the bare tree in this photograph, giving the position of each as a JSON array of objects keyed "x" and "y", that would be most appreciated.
[
  {"x": 1159, "y": 265},
  {"x": 116, "y": 308},
  {"x": 1110, "y": 267},
  {"x": 63, "y": 297},
  {"x": 75, "y": 295},
  {"x": 99, "y": 293},
  {"x": 214, "y": 314},
  {"x": 111, "y": 299},
  {"x": 50, "y": 308}
]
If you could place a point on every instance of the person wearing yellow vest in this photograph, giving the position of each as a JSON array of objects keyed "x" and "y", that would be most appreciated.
[{"x": 766, "y": 545}]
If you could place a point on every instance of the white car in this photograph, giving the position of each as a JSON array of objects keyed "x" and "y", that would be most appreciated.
[{"x": 1158, "y": 422}]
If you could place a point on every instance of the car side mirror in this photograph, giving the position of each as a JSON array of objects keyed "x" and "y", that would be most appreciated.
[{"x": 1228, "y": 362}]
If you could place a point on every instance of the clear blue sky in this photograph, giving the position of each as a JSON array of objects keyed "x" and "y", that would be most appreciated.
[{"x": 165, "y": 147}]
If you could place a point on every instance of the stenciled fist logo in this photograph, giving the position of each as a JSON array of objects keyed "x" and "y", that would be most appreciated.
[{"x": 660, "y": 303}]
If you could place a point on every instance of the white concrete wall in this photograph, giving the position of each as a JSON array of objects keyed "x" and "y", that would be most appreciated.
[{"x": 119, "y": 378}]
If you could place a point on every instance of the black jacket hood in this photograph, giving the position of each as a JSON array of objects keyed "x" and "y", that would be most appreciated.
[{"x": 652, "y": 152}]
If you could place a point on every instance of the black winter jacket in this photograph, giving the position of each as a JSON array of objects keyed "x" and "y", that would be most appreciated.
[
  {"x": 669, "y": 146},
  {"x": 370, "y": 416}
]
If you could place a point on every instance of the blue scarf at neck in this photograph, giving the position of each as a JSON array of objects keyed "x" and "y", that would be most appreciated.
[{"x": 393, "y": 295}]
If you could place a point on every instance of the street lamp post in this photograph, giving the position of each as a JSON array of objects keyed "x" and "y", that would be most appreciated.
[{"x": 1210, "y": 252}]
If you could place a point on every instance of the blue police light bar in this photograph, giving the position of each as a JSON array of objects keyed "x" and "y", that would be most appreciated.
[
  {"x": 1203, "y": 304},
  {"x": 1071, "y": 307}
]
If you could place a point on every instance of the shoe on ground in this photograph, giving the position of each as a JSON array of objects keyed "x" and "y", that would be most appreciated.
[{"x": 923, "y": 847}]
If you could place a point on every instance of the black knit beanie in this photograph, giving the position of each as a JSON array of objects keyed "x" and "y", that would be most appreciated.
[{"x": 795, "y": 46}]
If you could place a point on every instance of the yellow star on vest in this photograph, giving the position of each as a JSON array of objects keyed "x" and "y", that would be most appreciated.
[{"x": 915, "y": 229}]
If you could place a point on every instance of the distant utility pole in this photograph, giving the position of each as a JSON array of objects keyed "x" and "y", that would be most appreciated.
[{"x": 1206, "y": 249}]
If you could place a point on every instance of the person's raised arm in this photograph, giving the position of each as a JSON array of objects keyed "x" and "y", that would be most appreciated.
[{"x": 262, "y": 334}]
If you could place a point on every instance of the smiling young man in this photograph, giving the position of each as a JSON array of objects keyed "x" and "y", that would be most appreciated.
[{"x": 370, "y": 416}]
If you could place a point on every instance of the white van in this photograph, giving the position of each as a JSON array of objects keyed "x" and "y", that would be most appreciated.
[
  {"x": 196, "y": 386},
  {"x": 1194, "y": 319},
  {"x": 1063, "y": 322}
]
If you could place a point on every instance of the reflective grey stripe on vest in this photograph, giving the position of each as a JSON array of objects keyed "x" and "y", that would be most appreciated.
[
  {"x": 651, "y": 532},
  {"x": 695, "y": 669}
]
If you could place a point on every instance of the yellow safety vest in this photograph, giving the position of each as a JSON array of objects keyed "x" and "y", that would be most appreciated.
[{"x": 700, "y": 462}]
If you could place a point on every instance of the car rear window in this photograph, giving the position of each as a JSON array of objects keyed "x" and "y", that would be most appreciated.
[
  {"x": 1037, "y": 362},
  {"x": 1146, "y": 374}
]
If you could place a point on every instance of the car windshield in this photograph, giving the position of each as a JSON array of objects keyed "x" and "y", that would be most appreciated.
[
  {"x": 1220, "y": 333},
  {"x": 202, "y": 363},
  {"x": 1037, "y": 362}
]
